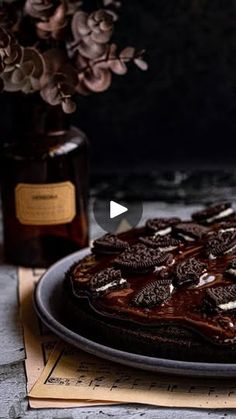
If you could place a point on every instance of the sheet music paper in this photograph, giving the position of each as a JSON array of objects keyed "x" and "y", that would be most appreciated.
[
  {"x": 71, "y": 373},
  {"x": 39, "y": 341}
]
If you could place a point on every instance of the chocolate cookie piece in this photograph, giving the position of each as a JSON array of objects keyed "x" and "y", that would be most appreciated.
[
  {"x": 105, "y": 281},
  {"x": 213, "y": 213},
  {"x": 230, "y": 270},
  {"x": 222, "y": 298},
  {"x": 188, "y": 272},
  {"x": 152, "y": 294},
  {"x": 189, "y": 231},
  {"x": 141, "y": 259},
  {"x": 109, "y": 244},
  {"x": 229, "y": 225},
  {"x": 164, "y": 243},
  {"x": 221, "y": 243},
  {"x": 161, "y": 226}
]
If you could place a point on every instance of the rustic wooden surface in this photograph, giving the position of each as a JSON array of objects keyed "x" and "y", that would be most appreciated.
[{"x": 13, "y": 400}]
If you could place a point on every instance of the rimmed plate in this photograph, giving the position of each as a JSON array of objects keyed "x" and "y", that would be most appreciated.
[{"x": 48, "y": 300}]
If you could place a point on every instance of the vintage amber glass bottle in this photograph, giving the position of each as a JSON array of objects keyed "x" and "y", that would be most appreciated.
[{"x": 44, "y": 184}]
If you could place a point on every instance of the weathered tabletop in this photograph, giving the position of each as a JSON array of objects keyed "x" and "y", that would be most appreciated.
[{"x": 13, "y": 400}]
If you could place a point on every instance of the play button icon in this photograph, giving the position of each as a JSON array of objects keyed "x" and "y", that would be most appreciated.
[
  {"x": 116, "y": 209},
  {"x": 115, "y": 215}
]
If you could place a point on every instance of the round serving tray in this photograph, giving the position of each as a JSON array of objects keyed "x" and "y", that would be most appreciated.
[{"x": 48, "y": 301}]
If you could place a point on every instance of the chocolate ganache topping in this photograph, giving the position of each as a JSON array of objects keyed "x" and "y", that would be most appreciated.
[{"x": 184, "y": 276}]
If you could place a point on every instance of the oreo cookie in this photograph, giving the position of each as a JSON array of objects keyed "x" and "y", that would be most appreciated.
[
  {"x": 227, "y": 225},
  {"x": 189, "y": 231},
  {"x": 161, "y": 226},
  {"x": 188, "y": 272},
  {"x": 141, "y": 259},
  {"x": 109, "y": 244},
  {"x": 105, "y": 281},
  {"x": 230, "y": 270},
  {"x": 220, "y": 299},
  {"x": 221, "y": 243},
  {"x": 213, "y": 213},
  {"x": 152, "y": 294},
  {"x": 163, "y": 243}
]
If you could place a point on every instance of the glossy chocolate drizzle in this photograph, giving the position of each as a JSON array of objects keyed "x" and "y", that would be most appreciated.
[{"x": 185, "y": 305}]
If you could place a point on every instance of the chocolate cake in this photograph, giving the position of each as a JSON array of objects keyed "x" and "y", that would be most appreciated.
[{"x": 167, "y": 289}]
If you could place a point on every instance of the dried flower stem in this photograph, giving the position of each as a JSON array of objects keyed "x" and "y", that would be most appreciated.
[{"x": 57, "y": 66}]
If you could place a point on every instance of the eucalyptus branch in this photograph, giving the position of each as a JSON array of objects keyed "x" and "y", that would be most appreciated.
[
  {"x": 110, "y": 60},
  {"x": 72, "y": 52}
]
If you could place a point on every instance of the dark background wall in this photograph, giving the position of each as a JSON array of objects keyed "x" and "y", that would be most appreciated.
[{"x": 182, "y": 111}]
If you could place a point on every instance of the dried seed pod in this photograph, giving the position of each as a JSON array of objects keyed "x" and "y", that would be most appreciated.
[
  {"x": 59, "y": 89},
  {"x": 68, "y": 105},
  {"x": 26, "y": 76},
  {"x": 40, "y": 9},
  {"x": 92, "y": 76},
  {"x": 92, "y": 33},
  {"x": 10, "y": 51},
  {"x": 54, "y": 27}
]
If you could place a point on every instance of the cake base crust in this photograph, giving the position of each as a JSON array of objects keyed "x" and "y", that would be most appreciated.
[{"x": 165, "y": 341}]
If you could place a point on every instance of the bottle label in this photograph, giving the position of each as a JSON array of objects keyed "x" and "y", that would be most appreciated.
[{"x": 45, "y": 204}]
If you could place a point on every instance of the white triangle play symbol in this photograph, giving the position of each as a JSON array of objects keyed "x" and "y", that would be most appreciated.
[{"x": 116, "y": 209}]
